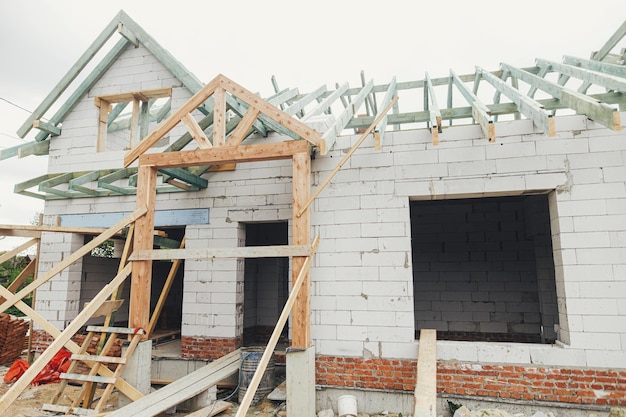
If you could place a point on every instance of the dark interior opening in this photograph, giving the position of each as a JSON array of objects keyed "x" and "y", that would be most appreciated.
[
  {"x": 483, "y": 269},
  {"x": 266, "y": 284}
]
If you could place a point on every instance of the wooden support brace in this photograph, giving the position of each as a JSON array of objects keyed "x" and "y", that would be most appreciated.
[{"x": 425, "y": 399}]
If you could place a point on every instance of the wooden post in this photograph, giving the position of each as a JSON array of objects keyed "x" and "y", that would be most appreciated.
[
  {"x": 300, "y": 319},
  {"x": 425, "y": 397},
  {"x": 139, "y": 314}
]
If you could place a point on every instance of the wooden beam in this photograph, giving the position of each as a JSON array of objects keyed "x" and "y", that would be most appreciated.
[
  {"x": 16, "y": 251},
  {"x": 219, "y": 117},
  {"x": 85, "y": 85},
  {"x": 122, "y": 30},
  {"x": 603, "y": 67},
  {"x": 103, "y": 119},
  {"x": 381, "y": 126},
  {"x": 57, "y": 229},
  {"x": 69, "y": 76},
  {"x": 210, "y": 253},
  {"x": 49, "y": 128},
  {"x": 138, "y": 213},
  {"x": 60, "y": 341},
  {"x": 225, "y": 155},
  {"x": 168, "y": 124},
  {"x": 301, "y": 235},
  {"x": 143, "y": 95},
  {"x": 299, "y": 284},
  {"x": 244, "y": 127},
  {"x": 425, "y": 398},
  {"x": 33, "y": 148},
  {"x": 581, "y": 103},
  {"x": 610, "y": 82},
  {"x": 196, "y": 132},
  {"x": 139, "y": 314},
  {"x": 527, "y": 106},
  {"x": 435, "y": 114},
  {"x": 480, "y": 112},
  {"x": 327, "y": 102}
]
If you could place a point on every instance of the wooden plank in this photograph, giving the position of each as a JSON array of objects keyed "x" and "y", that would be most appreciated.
[
  {"x": 209, "y": 253},
  {"x": 425, "y": 398},
  {"x": 296, "y": 291},
  {"x": 98, "y": 358},
  {"x": 381, "y": 126},
  {"x": 49, "y": 128},
  {"x": 16, "y": 251},
  {"x": 64, "y": 409},
  {"x": 196, "y": 132},
  {"x": 61, "y": 340},
  {"x": 57, "y": 229},
  {"x": 219, "y": 117},
  {"x": 225, "y": 155},
  {"x": 211, "y": 410},
  {"x": 134, "y": 124},
  {"x": 88, "y": 378},
  {"x": 103, "y": 119},
  {"x": 139, "y": 314},
  {"x": 301, "y": 235},
  {"x": 182, "y": 389},
  {"x": 73, "y": 258}
]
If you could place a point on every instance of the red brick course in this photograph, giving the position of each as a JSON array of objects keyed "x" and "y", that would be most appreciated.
[
  {"x": 208, "y": 347},
  {"x": 577, "y": 386}
]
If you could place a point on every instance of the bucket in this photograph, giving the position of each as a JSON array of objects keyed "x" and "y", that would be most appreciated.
[
  {"x": 250, "y": 359},
  {"x": 346, "y": 406}
]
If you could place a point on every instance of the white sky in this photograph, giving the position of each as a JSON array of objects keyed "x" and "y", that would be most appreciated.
[{"x": 304, "y": 44}]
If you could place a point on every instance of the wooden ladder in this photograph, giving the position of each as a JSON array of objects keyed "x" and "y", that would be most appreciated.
[{"x": 82, "y": 404}]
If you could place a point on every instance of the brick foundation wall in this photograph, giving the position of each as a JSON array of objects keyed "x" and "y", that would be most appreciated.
[
  {"x": 577, "y": 386},
  {"x": 208, "y": 347}
]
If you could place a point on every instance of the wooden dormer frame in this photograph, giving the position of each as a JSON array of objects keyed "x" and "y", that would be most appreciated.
[{"x": 139, "y": 99}]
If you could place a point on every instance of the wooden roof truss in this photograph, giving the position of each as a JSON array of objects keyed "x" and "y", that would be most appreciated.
[{"x": 509, "y": 91}]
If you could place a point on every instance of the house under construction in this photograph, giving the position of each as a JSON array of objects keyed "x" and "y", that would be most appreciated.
[{"x": 335, "y": 225}]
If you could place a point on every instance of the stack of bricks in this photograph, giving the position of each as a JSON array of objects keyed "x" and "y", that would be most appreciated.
[
  {"x": 208, "y": 347},
  {"x": 546, "y": 384},
  {"x": 12, "y": 337}
]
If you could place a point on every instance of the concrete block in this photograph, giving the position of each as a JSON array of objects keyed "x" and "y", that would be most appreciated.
[
  {"x": 525, "y": 164},
  {"x": 602, "y": 358},
  {"x": 507, "y": 149},
  {"x": 339, "y": 347},
  {"x": 507, "y": 353},
  {"x": 595, "y": 341}
]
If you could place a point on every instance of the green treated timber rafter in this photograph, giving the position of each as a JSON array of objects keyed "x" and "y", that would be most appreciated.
[
  {"x": 435, "y": 113},
  {"x": 610, "y": 69},
  {"x": 70, "y": 75},
  {"x": 581, "y": 103},
  {"x": 85, "y": 86},
  {"x": 325, "y": 104},
  {"x": 610, "y": 82},
  {"x": 480, "y": 112},
  {"x": 526, "y": 105},
  {"x": 330, "y": 136},
  {"x": 25, "y": 149},
  {"x": 389, "y": 95}
]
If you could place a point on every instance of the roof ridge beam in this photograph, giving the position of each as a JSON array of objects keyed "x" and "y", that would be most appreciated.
[
  {"x": 480, "y": 112},
  {"x": 71, "y": 74},
  {"x": 526, "y": 105},
  {"x": 581, "y": 103}
]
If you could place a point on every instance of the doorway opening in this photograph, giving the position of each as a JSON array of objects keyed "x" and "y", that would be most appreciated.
[{"x": 266, "y": 284}]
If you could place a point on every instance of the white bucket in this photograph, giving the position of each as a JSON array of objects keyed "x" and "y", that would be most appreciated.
[{"x": 346, "y": 406}]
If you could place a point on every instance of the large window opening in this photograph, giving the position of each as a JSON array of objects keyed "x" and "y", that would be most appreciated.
[
  {"x": 483, "y": 269},
  {"x": 266, "y": 284}
]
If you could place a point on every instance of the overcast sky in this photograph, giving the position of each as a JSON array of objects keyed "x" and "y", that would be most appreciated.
[{"x": 304, "y": 44}]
